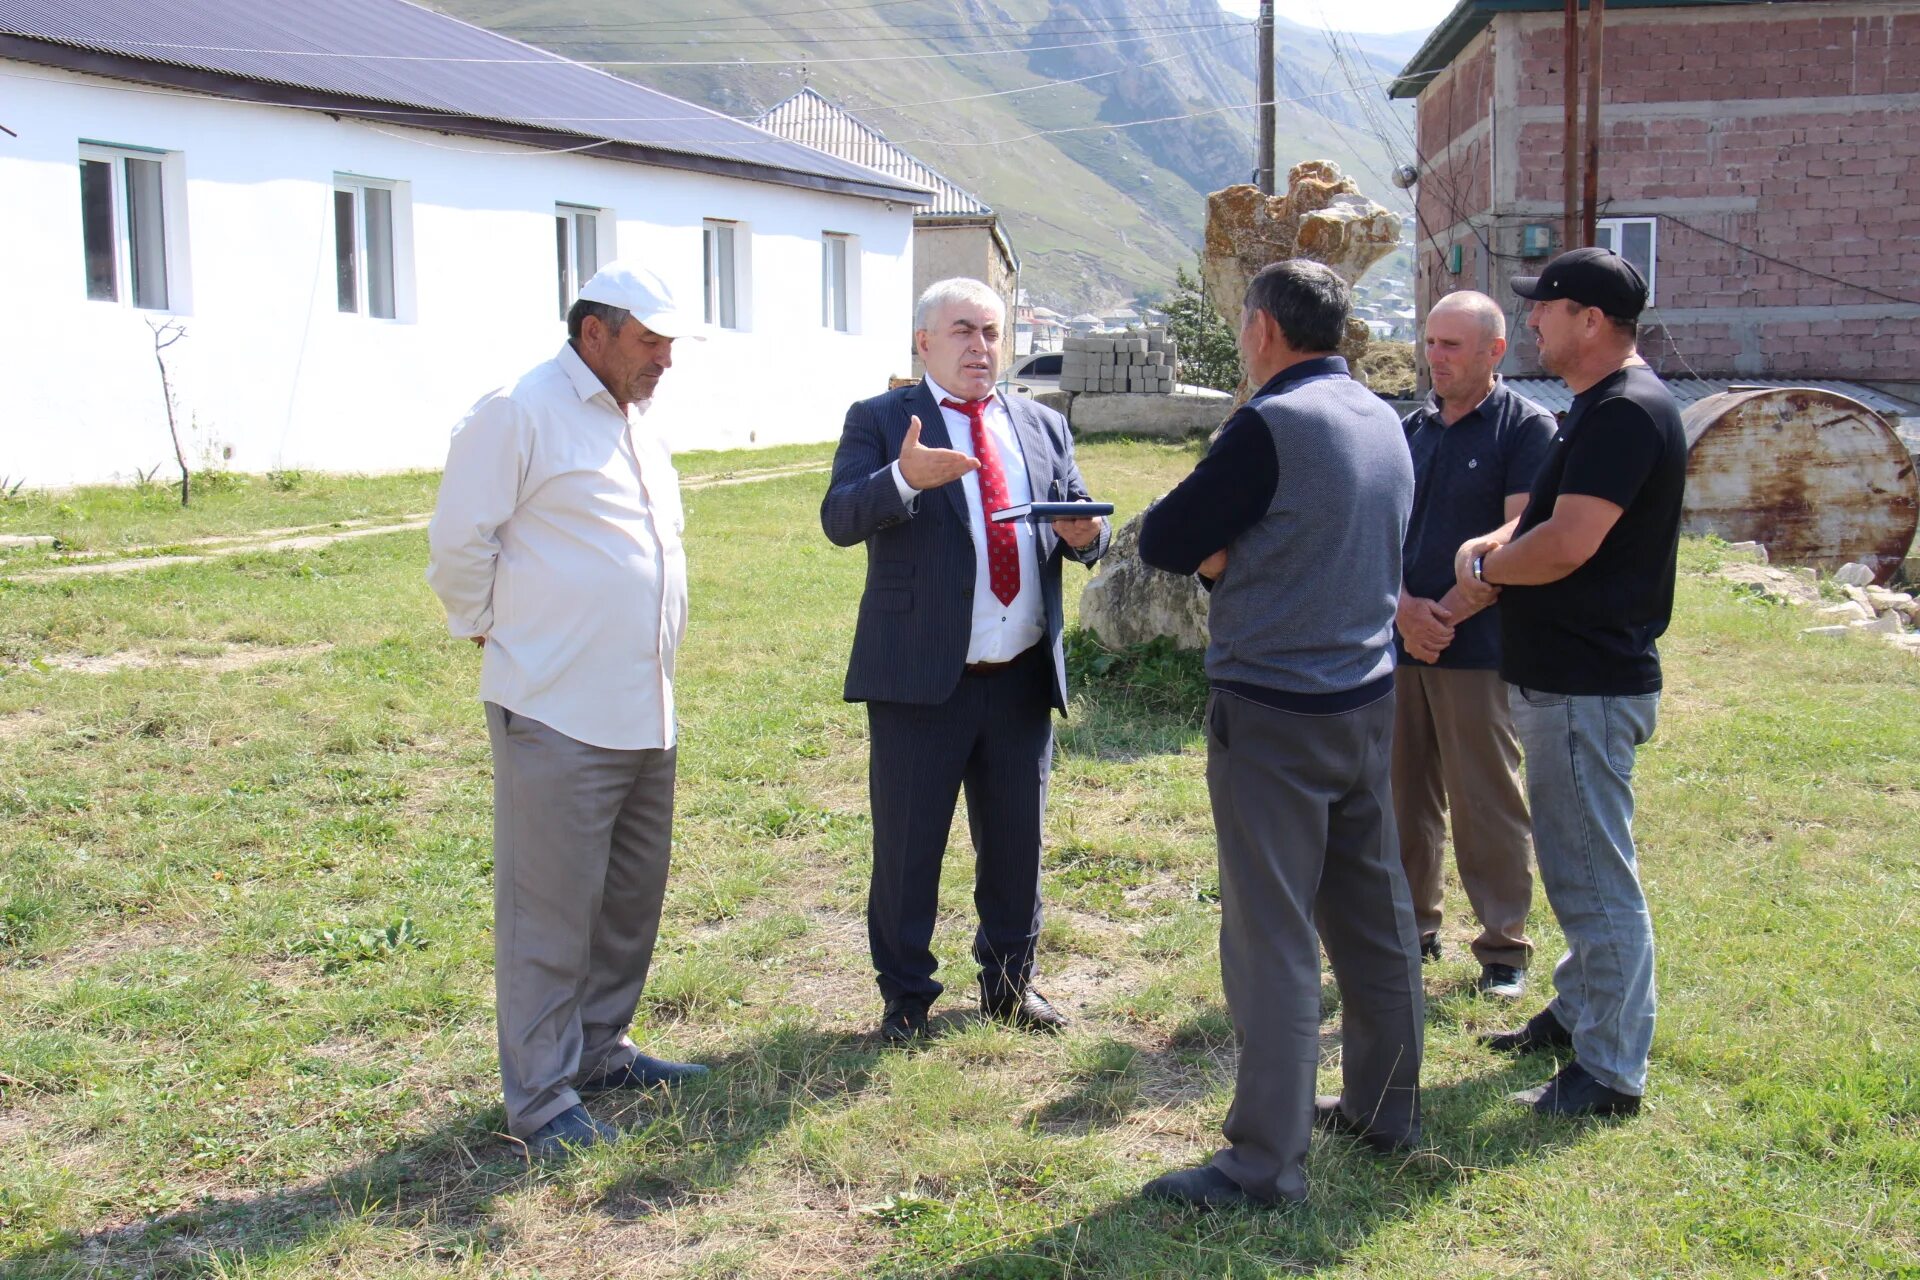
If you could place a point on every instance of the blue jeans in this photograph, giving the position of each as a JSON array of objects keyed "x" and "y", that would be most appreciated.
[{"x": 1579, "y": 753}]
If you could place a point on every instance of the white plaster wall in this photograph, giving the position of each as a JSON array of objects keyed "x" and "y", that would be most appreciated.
[{"x": 273, "y": 371}]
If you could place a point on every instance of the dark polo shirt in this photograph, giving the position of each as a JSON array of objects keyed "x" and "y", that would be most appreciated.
[{"x": 1462, "y": 475}]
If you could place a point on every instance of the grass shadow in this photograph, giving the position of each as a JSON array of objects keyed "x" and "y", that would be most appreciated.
[
  {"x": 445, "y": 1183},
  {"x": 1472, "y": 1132}
]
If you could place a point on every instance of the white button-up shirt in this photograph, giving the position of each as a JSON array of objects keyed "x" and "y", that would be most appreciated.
[
  {"x": 1000, "y": 632},
  {"x": 557, "y": 538}
]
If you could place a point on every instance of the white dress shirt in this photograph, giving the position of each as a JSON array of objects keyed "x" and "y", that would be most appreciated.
[
  {"x": 1000, "y": 632},
  {"x": 557, "y": 537}
]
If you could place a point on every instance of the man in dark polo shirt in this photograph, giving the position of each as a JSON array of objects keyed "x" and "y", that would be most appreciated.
[
  {"x": 1586, "y": 587},
  {"x": 1297, "y": 515},
  {"x": 1476, "y": 449}
]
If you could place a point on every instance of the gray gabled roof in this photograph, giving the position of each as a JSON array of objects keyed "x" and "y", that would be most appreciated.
[
  {"x": 396, "y": 61},
  {"x": 809, "y": 118}
]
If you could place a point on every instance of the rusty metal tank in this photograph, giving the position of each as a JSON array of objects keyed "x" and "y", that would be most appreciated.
[{"x": 1815, "y": 476}]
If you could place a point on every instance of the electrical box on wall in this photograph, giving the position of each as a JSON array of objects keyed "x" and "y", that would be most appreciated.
[
  {"x": 1536, "y": 240},
  {"x": 1453, "y": 259}
]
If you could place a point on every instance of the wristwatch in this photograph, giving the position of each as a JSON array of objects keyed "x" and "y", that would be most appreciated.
[{"x": 1479, "y": 568}]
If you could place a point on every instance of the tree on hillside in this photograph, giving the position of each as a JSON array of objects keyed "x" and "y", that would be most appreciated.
[{"x": 1209, "y": 350}]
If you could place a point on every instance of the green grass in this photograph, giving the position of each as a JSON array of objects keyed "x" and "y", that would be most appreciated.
[{"x": 245, "y": 987}]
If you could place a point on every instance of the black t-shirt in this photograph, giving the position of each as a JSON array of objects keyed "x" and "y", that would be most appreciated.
[
  {"x": 1462, "y": 475},
  {"x": 1593, "y": 631}
]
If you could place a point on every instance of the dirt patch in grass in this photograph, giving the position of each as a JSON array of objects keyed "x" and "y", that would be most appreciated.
[
  {"x": 238, "y": 657},
  {"x": 15, "y": 725}
]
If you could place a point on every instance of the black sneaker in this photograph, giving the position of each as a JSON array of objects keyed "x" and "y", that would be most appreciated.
[
  {"x": 1575, "y": 1093},
  {"x": 904, "y": 1022},
  {"x": 1542, "y": 1032},
  {"x": 1502, "y": 981},
  {"x": 1429, "y": 947}
]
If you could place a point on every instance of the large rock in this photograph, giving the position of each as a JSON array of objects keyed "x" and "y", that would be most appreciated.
[
  {"x": 1129, "y": 603},
  {"x": 1323, "y": 218}
]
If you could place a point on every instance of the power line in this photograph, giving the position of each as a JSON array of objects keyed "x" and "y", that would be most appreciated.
[
  {"x": 558, "y": 60},
  {"x": 947, "y": 31}
]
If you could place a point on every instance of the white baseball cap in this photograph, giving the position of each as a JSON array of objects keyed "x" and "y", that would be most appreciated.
[{"x": 645, "y": 295}]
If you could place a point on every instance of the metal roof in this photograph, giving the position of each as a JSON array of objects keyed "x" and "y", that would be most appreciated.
[
  {"x": 809, "y": 118},
  {"x": 1470, "y": 17},
  {"x": 396, "y": 61},
  {"x": 1553, "y": 394}
]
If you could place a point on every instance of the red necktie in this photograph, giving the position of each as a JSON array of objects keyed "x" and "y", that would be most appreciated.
[{"x": 1003, "y": 543}]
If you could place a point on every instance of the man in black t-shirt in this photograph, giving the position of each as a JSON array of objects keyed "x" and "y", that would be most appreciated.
[{"x": 1585, "y": 582}]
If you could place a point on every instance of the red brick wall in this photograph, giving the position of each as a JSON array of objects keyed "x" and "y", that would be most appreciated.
[{"x": 1829, "y": 182}]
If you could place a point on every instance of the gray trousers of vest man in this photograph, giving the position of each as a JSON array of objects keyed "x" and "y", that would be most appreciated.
[
  {"x": 1303, "y": 813},
  {"x": 581, "y": 841}
]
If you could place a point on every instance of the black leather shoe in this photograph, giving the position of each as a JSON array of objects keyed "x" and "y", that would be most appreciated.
[
  {"x": 1026, "y": 1009},
  {"x": 1202, "y": 1188},
  {"x": 1543, "y": 1031},
  {"x": 1429, "y": 948},
  {"x": 1502, "y": 981},
  {"x": 1328, "y": 1115},
  {"x": 571, "y": 1130},
  {"x": 642, "y": 1073},
  {"x": 1575, "y": 1093},
  {"x": 904, "y": 1022}
]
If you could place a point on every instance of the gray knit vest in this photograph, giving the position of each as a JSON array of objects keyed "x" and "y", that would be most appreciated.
[{"x": 1307, "y": 602}]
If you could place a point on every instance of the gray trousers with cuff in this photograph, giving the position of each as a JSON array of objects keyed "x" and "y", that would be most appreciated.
[
  {"x": 1303, "y": 813},
  {"x": 581, "y": 841}
]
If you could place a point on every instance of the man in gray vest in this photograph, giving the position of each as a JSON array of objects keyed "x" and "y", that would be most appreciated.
[{"x": 1297, "y": 515}]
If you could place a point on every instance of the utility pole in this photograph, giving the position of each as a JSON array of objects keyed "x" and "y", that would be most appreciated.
[
  {"x": 1596, "y": 23},
  {"x": 1570, "y": 140},
  {"x": 1263, "y": 162}
]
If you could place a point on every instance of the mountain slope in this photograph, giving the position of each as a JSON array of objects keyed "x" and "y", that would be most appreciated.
[{"x": 1141, "y": 107}]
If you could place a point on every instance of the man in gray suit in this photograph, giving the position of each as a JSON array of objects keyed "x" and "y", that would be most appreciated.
[
  {"x": 957, "y": 651},
  {"x": 1297, "y": 515}
]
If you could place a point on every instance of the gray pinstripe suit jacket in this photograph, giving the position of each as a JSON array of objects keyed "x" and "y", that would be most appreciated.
[{"x": 916, "y": 613}]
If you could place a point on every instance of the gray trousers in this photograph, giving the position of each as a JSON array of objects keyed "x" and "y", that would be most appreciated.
[
  {"x": 581, "y": 838},
  {"x": 1303, "y": 813}
]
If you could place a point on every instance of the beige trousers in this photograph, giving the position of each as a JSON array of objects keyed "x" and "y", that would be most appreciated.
[{"x": 1454, "y": 752}]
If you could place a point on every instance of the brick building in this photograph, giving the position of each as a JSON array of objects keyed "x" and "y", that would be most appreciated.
[{"x": 1759, "y": 161}]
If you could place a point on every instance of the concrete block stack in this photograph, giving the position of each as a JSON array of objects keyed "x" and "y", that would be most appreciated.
[{"x": 1142, "y": 361}]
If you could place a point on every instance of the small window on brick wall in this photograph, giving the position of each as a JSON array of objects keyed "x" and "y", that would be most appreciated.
[{"x": 1633, "y": 239}]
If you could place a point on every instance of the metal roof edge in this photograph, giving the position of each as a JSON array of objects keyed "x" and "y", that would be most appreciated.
[
  {"x": 252, "y": 90},
  {"x": 1457, "y": 30},
  {"x": 808, "y": 91}
]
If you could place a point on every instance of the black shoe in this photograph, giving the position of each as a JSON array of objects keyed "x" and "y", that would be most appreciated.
[
  {"x": 1543, "y": 1031},
  {"x": 1503, "y": 981},
  {"x": 642, "y": 1073},
  {"x": 1574, "y": 1092},
  {"x": 1203, "y": 1188},
  {"x": 571, "y": 1130},
  {"x": 1328, "y": 1115},
  {"x": 1026, "y": 1009},
  {"x": 1429, "y": 947},
  {"x": 904, "y": 1022}
]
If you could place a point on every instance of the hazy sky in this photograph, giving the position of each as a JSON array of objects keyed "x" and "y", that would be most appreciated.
[{"x": 1366, "y": 15}]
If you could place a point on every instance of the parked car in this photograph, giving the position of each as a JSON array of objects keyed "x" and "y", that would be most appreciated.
[{"x": 1037, "y": 372}]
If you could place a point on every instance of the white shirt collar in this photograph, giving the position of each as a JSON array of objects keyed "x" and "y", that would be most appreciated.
[
  {"x": 940, "y": 393},
  {"x": 586, "y": 383}
]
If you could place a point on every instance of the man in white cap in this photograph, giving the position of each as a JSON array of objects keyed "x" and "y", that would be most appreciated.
[{"x": 556, "y": 547}]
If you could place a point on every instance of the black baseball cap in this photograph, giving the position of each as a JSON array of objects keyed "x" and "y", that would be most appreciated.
[{"x": 1592, "y": 277}]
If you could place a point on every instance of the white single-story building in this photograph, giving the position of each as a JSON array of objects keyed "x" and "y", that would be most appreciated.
[{"x": 365, "y": 214}]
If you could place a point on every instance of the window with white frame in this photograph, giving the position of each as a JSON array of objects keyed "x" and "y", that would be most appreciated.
[
  {"x": 123, "y": 225},
  {"x": 724, "y": 262},
  {"x": 1633, "y": 239},
  {"x": 839, "y": 281},
  {"x": 577, "y": 245},
  {"x": 365, "y": 245}
]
